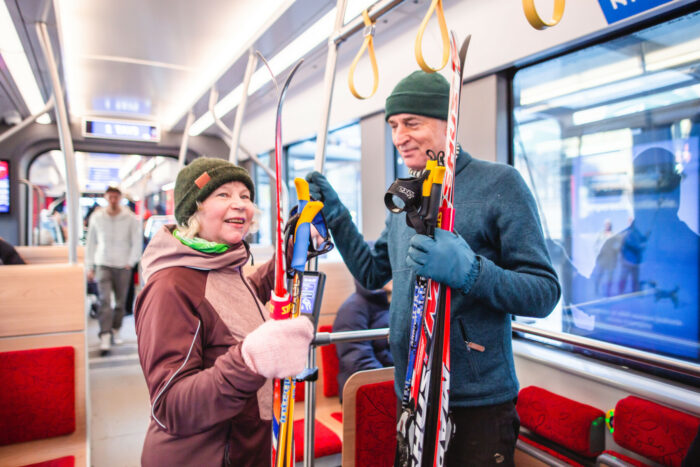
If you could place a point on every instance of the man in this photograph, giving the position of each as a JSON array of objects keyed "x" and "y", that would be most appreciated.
[
  {"x": 364, "y": 309},
  {"x": 496, "y": 263},
  {"x": 8, "y": 253},
  {"x": 113, "y": 248}
]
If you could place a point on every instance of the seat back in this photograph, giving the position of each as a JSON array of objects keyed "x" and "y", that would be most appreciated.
[
  {"x": 654, "y": 431},
  {"x": 329, "y": 366},
  {"x": 369, "y": 418}
]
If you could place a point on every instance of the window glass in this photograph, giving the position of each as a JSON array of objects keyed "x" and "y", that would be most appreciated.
[
  {"x": 342, "y": 166},
  {"x": 607, "y": 139},
  {"x": 263, "y": 200}
]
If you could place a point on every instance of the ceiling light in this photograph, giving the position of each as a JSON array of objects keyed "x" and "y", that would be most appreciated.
[
  {"x": 298, "y": 48},
  {"x": 16, "y": 60}
]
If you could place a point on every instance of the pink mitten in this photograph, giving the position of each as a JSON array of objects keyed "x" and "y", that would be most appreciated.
[{"x": 278, "y": 348}]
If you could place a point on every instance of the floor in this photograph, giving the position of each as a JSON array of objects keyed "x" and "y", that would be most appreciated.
[{"x": 120, "y": 407}]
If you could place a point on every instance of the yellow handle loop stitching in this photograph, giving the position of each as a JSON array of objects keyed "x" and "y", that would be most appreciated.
[
  {"x": 369, "y": 45},
  {"x": 436, "y": 4},
  {"x": 536, "y": 21}
]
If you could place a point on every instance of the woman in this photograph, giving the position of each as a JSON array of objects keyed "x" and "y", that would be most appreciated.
[{"x": 205, "y": 343}]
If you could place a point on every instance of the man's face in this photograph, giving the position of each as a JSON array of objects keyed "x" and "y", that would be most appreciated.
[
  {"x": 413, "y": 135},
  {"x": 113, "y": 199}
]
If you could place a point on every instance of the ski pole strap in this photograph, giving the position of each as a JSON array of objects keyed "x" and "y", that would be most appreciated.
[
  {"x": 534, "y": 18},
  {"x": 369, "y": 45},
  {"x": 436, "y": 6},
  {"x": 319, "y": 222}
]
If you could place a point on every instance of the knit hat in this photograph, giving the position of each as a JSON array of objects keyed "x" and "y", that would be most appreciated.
[
  {"x": 420, "y": 93},
  {"x": 199, "y": 179}
]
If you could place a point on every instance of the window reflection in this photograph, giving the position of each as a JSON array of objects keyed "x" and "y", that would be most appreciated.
[{"x": 608, "y": 140}]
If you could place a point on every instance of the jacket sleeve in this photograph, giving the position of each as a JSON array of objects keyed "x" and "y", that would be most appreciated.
[
  {"x": 369, "y": 265},
  {"x": 523, "y": 282},
  {"x": 186, "y": 399},
  {"x": 353, "y": 315},
  {"x": 91, "y": 243}
]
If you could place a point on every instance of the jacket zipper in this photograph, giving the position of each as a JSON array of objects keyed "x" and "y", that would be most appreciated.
[{"x": 470, "y": 346}]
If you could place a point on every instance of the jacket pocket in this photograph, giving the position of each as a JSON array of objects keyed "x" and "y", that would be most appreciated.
[{"x": 471, "y": 349}]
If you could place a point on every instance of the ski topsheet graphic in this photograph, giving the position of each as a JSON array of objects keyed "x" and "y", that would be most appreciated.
[{"x": 423, "y": 430}]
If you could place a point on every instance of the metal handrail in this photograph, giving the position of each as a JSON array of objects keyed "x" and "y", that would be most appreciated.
[
  {"x": 640, "y": 356},
  {"x": 327, "y": 338}
]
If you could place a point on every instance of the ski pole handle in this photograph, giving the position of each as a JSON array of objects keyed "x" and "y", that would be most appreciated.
[
  {"x": 302, "y": 234},
  {"x": 302, "y": 192}
]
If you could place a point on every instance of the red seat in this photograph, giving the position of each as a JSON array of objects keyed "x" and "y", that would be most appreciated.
[
  {"x": 68, "y": 461},
  {"x": 37, "y": 394},
  {"x": 375, "y": 415},
  {"x": 329, "y": 365},
  {"x": 657, "y": 432},
  {"x": 326, "y": 443},
  {"x": 561, "y": 427}
]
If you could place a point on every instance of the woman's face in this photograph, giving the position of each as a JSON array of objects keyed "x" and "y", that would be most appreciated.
[{"x": 225, "y": 216}]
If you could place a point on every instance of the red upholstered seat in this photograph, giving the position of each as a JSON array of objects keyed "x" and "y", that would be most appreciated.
[
  {"x": 375, "y": 415},
  {"x": 326, "y": 442},
  {"x": 622, "y": 457},
  {"x": 549, "y": 451},
  {"x": 68, "y": 461},
  {"x": 338, "y": 416},
  {"x": 576, "y": 426},
  {"x": 654, "y": 431},
  {"x": 37, "y": 394},
  {"x": 299, "y": 392},
  {"x": 329, "y": 363}
]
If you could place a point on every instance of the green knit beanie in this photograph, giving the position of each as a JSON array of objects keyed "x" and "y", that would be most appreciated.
[
  {"x": 420, "y": 93},
  {"x": 199, "y": 179}
]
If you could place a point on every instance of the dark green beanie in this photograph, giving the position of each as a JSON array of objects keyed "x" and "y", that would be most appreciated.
[
  {"x": 199, "y": 179},
  {"x": 420, "y": 93}
]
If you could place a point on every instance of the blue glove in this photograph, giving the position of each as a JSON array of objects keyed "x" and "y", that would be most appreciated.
[
  {"x": 447, "y": 259},
  {"x": 321, "y": 190}
]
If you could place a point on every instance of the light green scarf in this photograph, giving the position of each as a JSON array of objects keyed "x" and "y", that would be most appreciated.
[{"x": 200, "y": 244}]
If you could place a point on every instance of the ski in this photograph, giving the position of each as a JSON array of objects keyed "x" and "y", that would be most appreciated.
[
  {"x": 280, "y": 300},
  {"x": 423, "y": 429}
]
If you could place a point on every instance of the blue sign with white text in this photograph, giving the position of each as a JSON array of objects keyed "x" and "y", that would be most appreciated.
[{"x": 616, "y": 10}]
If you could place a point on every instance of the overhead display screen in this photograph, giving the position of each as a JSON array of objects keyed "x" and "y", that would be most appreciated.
[
  {"x": 121, "y": 129},
  {"x": 4, "y": 187}
]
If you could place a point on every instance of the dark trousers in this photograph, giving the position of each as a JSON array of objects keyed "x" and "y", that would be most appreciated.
[
  {"x": 111, "y": 280},
  {"x": 483, "y": 435}
]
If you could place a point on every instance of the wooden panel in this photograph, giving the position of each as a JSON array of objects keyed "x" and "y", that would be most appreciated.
[
  {"x": 74, "y": 444},
  {"x": 48, "y": 254},
  {"x": 41, "y": 298},
  {"x": 339, "y": 286},
  {"x": 349, "y": 399}
]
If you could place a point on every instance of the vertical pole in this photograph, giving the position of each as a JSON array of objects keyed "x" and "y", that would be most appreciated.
[
  {"x": 29, "y": 211},
  {"x": 235, "y": 138},
  {"x": 64, "y": 136},
  {"x": 185, "y": 139},
  {"x": 329, "y": 81}
]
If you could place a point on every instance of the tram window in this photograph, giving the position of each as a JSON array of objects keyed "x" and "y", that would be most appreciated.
[
  {"x": 4, "y": 187},
  {"x": 342, "y": 166},
  {"x": 608, "y": 140},
  {"x": 263, "y": 199}
]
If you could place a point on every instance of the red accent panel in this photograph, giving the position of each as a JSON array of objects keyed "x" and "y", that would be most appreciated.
[
  {"x": 560, "y": 419},
  {"x": 37, "y": 394},
  {"x": 549, "y": 451},
  {"x": 627, "y": 459},
  {"x": 660, "y": 433},
  {"x": 329, "y": 360},
  {"x": 375, "y": 430},
  {"x": 202, "y": 180},
  {"x": 326, "y": 442},
  {"x": 68, "y": 461},
  {"x": 338, "y": 416}
]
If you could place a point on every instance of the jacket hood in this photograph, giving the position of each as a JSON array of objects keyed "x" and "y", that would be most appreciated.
[{"x": 166, "y": 251}]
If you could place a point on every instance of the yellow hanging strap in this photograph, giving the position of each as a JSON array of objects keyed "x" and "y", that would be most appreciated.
[
  {"x": 536, "y": 21},
  {"x": 369, "y": 45},
  {"x": 436, "y": 6}
]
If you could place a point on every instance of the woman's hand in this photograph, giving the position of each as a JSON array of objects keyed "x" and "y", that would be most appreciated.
[{"x": 278, "y": 348}]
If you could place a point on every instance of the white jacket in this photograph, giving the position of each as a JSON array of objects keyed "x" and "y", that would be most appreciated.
[{"x": 113, "y": 241}]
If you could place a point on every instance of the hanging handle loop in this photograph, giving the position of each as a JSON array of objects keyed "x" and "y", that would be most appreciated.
[
  {"x": 436, "y": 6},
  {"x": 369, "y": 45},
  {"x": 534, "y": 18}
]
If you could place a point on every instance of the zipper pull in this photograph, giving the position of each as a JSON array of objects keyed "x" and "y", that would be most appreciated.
[{"x": 470, "y": 345}]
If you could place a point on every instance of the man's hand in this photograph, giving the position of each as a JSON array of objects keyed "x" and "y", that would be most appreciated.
[
  {"x": 90, "y": 275},
  {"x": 447, "y": 259},
  {"x": 321, "y": 190}
]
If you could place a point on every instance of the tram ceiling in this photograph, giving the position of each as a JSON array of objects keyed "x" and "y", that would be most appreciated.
[{"x": 155, "y": 60}]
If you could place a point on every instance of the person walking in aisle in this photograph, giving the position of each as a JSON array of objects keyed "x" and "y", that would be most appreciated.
[{"x": 113, "y": 248}]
